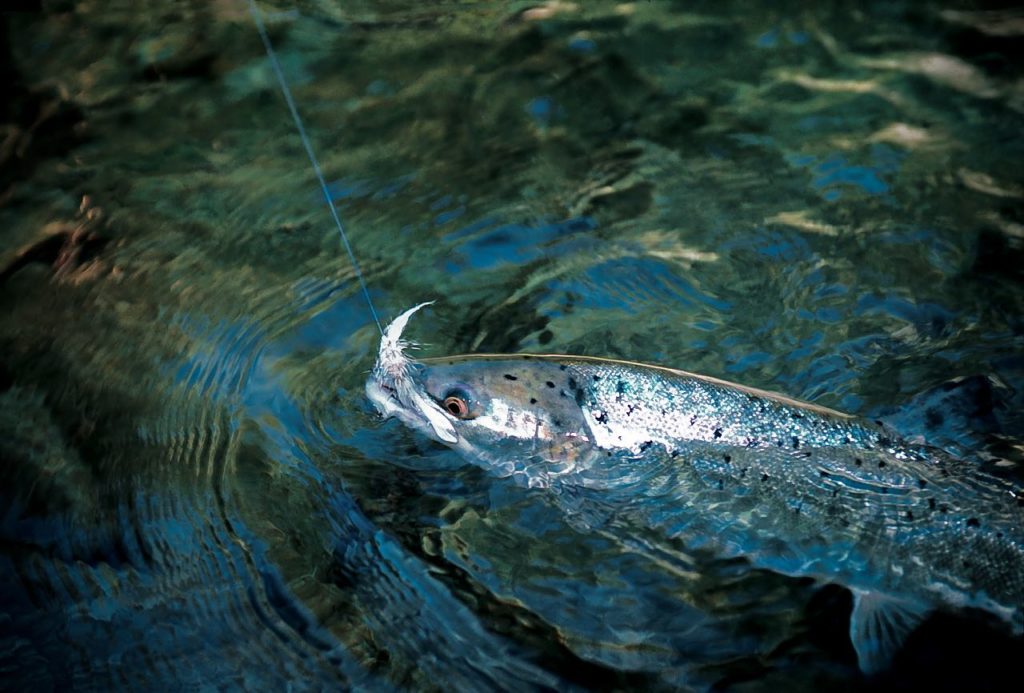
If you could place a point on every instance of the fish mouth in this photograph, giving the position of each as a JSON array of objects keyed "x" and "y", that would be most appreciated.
[{"x": 393, "y": 388}]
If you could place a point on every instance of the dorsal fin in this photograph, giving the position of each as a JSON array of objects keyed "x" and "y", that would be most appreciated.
[{"x": 879, "y": 625}]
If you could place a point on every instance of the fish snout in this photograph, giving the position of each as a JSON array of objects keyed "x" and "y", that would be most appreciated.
[
  {"x": 405, "y": 402},
  {"x": 384, "y": 397}
]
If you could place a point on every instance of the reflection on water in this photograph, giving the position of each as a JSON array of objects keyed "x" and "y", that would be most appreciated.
[{"x": 824, "y": 202}]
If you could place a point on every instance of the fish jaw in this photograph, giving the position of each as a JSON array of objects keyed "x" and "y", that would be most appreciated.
[{"x": 394, "y": 391}]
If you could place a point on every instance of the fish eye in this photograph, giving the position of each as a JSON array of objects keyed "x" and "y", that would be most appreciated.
[{"x": 456, "y": 403}]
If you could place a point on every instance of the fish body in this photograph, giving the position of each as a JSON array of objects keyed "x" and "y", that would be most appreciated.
[{"x": 793, "y": 487}]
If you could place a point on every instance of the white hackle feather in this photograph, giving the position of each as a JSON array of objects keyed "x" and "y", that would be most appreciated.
[{"x": 395, "y": 370}]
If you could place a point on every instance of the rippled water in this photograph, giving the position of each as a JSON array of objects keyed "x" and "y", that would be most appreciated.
[{"x": 823, "y": 202}]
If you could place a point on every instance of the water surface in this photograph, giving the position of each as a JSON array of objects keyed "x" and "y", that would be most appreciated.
[{"x": 821, "y": 201}]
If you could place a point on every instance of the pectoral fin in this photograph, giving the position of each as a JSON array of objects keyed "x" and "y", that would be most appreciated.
[{"x": 879, "y": 625}]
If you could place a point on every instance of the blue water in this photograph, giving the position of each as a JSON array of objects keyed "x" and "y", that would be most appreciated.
[{"x": 821, "y": 201}]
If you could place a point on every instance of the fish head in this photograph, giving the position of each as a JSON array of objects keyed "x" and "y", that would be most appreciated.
[{"x": 502, "y": 412}]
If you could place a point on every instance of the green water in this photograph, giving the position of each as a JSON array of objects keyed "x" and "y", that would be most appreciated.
[{"x": 820, "y": 201}]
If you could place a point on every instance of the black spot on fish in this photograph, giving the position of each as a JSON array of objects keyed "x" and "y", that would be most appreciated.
[
  {"x": 743, "y": 472},
  {"x": 879, "y": 423},
  {"x": 721, "y": 484},
  {"x": 451, "y": 363},
  {"x": 718, "y": 433},
  {"x": 510, "y": 377},
  {"x": 858, "y": 461},
  {"x": 527, "y": 357},
  {"x": 572, "y": 383},
  {"x": 549, "y": 383},
  {"x": 629, "y": 410},
  {"x": 823, "y": 473},
  {"x": 579, "y": 396},
  {"x": 967, "y": 564},
  {"x": 674, "y": 454},
  {"x": 563, "y": 393},
  {"x": 999, "y": 535},
  {"x": 931, "y": 504},
  {"x": 796, "y": 415},
  {"x": 601, "y": 417},
  {"x": 943, "y": 508},
  {"x": 557, "y": 422},
  {"x": 796, "y": 510},
  {"x": 835, "y": 492},
  {"x": 693, "y": 419},
  {"x": 846, "y": 439},
  {"x": 596, "y": 377},
  {"x": 779, "y": 443},
  {"x": 533, "y": 400},
  {"x": 805, "y": 454},
  {"x": 750, "y": 442},
  {"x": 764, "y": 476},
  {"x": 910, "y": 515},
  {"x": 884, "y": 441},
  {"x": 922, "y": 483},
  {"x": 881, "y": 464},
  {"x": 620, "y": 387},
  {"x": 796, "y": 443},
  {"x": 562, "y": 367},
  {"x": 933, "y": 417},
  {"x": 973, "y": 522},
  {"x": 885, "y": 490},
  {"x": 727, "y": 458},
  {"x": 646, "y": 445}
]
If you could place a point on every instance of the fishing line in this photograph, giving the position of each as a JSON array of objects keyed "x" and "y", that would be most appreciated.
[{"x": 283, "y": 83}]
